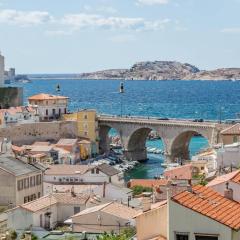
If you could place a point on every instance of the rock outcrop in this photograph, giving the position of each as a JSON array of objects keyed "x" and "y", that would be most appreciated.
[{"x": 164, "y": 70}]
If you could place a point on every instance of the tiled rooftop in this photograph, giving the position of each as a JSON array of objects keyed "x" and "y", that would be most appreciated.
[
  {"x": 148, "y": 182},
  {"x": 64, "y": 169},
  {"x": 67, "y": 141},
  {"x": 108, "y": 170},
  {"x": 180, "y": 173},
  {"x": 44, "y": 96},
  {"x": 235, "y": 129},
  {"x": 233, "y": 176},
  {"x": 207, "y": 202},
  {"x": 51, "y": 199},
  {"x": 112, "y": 208},
  {"x": 14, "y": 166}
]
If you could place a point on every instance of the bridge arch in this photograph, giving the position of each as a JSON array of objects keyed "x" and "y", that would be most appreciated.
[
  {"x": 179, "y": 147},
  {"x": 136, "y": 145},
  {"x": 104, "y": 138}
]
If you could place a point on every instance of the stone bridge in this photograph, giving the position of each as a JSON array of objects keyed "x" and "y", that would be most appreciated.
[{"x": 175, "y": 135}]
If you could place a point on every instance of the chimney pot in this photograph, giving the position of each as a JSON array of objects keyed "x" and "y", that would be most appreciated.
[{"x": 228, "y": 192}]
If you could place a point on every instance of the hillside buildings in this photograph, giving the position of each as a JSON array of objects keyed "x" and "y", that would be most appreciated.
[
  {"x": 20, "y": 114},
  {"x": 61, "y": 173},
  {"x": 47, "y": 211},
  {"x": 19, "y": 182},
  {"x": 49, "y": 106},
  {"x": 2, "y": 69}
]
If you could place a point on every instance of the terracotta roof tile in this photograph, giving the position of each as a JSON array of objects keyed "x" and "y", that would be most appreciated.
[
  {"x": 206, "y": 201},
  {"x": 235, "y": 129},
  {"x": 65, "y": 169},
  {"x": 180, "y": 173},
  {"x": 233, "y": 176},
  {"x": 49, "y": 200},
  {"x": 148, "y": 182},
  {"x": 45, "y": 96}
]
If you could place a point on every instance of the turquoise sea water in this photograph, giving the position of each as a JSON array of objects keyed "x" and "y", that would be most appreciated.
[{"x": 173, "y": 99}]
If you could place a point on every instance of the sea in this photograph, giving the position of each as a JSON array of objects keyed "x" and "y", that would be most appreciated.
[{"x": 212, "y": 100}]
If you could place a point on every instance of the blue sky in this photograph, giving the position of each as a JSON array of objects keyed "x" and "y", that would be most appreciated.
[{"x": 71, "y": 36}]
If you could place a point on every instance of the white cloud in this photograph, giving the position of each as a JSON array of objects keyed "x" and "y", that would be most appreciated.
[
  {"x": 10, "y": 16},
  {"x": 231, "y": 30},
  {"x": 82, "y": 20},
  {"x": 152, "y": 2},
  {"x": 58, "y": 33}
]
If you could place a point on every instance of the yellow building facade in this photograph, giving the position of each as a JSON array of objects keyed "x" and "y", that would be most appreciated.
[{"x": 87, "y": 125}]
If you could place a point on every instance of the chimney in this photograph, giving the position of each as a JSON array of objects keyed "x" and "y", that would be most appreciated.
[
  {"x": 228, "y": 192},
  {"x": 72, "y": 192},
  {"x": 104, "y": 189}
]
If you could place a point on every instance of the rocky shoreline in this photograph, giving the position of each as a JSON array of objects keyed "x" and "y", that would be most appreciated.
[{"x": 157, "y": 70}]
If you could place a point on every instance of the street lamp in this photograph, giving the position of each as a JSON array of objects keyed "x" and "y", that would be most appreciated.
[{"x": 121, "y": 91}]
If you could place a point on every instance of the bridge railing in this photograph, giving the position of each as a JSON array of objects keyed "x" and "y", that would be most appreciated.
[{"x": 124, "y": 117}]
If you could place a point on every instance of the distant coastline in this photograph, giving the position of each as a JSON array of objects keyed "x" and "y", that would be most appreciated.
[{"x": 157, "y": 71}]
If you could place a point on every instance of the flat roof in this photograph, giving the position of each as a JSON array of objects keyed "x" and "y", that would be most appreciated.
[{"x": 16, "y": 167}]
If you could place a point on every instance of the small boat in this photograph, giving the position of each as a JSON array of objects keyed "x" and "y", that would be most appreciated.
[{"x": 170, "y": 165}]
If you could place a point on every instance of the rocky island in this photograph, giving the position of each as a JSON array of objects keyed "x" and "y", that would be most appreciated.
[{"x": 164, "y": 70}]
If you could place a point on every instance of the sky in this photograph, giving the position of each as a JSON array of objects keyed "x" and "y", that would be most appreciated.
[{"x": 75, "y": 36}]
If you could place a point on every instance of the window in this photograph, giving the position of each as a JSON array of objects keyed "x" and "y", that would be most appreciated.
[
  {"x": 38, "y": 179},
  {"x": 46, "y": 112},
  {"x": 71, "y": 180},
  {"x": 25, "y": 199},
  {"x": 206, "y": 237},
  {"x": 39, "y": 194},
  {"x": 85, "y": 116},
  {"x": 54, "y": 111},
  {"x": 97, "y": 171},
  {"x": 26, "y": 183},
  {"x": 235, "y": 139},
  {"x": 41, "y": 220},
  {"x": 65, "y": 110},
  {"x": 76, "y": 210},
  {"x": 85, "y": 133},
  {"x": 20, "y": 185},
  {"x": 202, "y": 168},
  {"x": 32, "y": 181},
  {"x": 92, "y": 171},
  {"x": 181, "y": 236},
  {"x": 59, "y": 111}
]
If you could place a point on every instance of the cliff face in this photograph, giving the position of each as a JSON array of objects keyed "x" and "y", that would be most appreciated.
[{"x": 164, "y": 70}]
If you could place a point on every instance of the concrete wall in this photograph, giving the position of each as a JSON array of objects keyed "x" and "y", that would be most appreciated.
[
  {"x": 30, "y": 132},
  {"x": 228, "y": 156},
  {"x": 11, "y": 97},
  {"x": 7, "y": 188},
  {"x": 19, "y": 218},
  {"x": 153, "y": 223},
  {"x": 182, "y": 219}
]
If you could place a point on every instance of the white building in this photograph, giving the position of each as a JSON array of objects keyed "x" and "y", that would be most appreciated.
[
  {"x": 229, "y": 155},
  {"x": 47, "y": 211},
  {"x": 2, "y": 69},
  {"x": 49, "y": 106},
  {"x": 18, "y": 115},
  {"x": 203, "y": 214},
  {"x": 76, "y": 174}
]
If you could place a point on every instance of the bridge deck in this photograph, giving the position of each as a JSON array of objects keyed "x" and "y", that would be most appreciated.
[{"x": 155, "y": 121}]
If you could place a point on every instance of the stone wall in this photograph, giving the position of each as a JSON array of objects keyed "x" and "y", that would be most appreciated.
[
  {"x": 42, "y": 131},
  {"x": 11, "y": 97}
]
